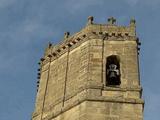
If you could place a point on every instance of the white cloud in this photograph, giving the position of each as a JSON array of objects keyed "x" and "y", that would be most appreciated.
[
  {"x": 152, "y": 3},
  {"x": 132, "y": 2},
  {"x": 75, "y": 5},
  {"x": 6, "y": 3}
]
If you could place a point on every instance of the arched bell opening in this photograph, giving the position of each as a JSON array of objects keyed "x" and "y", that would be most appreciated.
[{"x": 113, "y": 71}]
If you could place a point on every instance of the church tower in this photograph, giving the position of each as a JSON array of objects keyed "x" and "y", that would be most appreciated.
[{"x": 91, "y": 75}]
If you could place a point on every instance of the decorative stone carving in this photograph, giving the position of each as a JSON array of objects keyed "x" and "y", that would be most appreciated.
[{"x": 90, "y": 20}]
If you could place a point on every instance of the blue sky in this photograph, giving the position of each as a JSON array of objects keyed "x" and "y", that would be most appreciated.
[{"x": 26, "y": 27}]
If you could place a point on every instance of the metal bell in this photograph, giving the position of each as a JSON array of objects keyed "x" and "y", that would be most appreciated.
[{"x": 112, "y": 74}]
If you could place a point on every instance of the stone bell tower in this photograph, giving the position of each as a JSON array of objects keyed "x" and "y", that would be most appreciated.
[{"x": 91, "y": 75}]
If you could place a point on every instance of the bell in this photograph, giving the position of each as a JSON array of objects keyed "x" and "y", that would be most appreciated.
[{"x": 112, "y": 74}]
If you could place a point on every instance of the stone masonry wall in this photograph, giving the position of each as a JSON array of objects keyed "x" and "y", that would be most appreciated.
[{"x": 73, "y": 77}]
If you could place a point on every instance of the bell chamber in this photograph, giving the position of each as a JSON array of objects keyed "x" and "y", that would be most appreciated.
[{"x": 113, "y": 70}]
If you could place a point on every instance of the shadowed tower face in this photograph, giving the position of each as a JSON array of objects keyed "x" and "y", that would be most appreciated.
[{"x": 91, "y": 75}]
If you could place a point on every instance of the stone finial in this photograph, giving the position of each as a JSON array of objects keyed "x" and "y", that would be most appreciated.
[
  {"x": 48, "y": 49},
  {"x": 49, "y": 45},
  {"x": 132, "y": 21},
  {"x": 90, "y": 20},
  {"x": 111, "y": 21},
  {"x": 66, "y": 35}
]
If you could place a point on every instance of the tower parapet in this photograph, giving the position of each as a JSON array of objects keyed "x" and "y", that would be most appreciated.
[{"x": 110, "y": 30}]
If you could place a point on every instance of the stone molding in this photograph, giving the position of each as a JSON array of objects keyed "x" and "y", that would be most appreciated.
[
  {"x": 83, "y": 95},
  {"x": 56, "y": 52}
]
